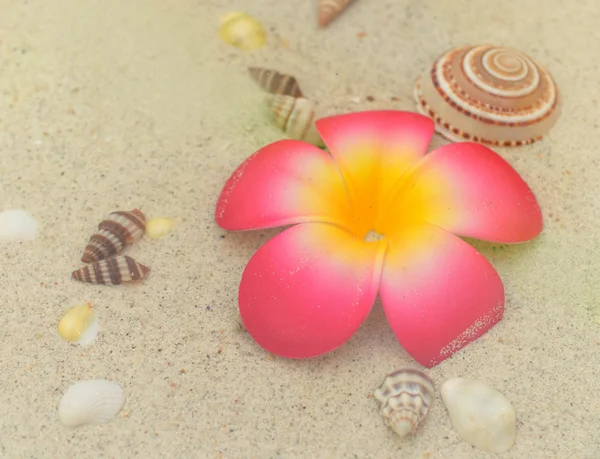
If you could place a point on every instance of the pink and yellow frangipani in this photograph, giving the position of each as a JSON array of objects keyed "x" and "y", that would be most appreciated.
[{"x": 308, "y": 290}]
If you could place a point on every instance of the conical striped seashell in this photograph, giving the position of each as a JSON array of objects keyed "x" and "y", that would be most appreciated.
[
  {"x": 404, "y": 399},
  {"x": 296, "y": 116},
  {"x": 112, "y": 271},
  {"x": 488, "y": 94},
  {"x": 275, "y": 82},
  {"x": 119, "y": 228},
  {"x": 331, "y": 9}
]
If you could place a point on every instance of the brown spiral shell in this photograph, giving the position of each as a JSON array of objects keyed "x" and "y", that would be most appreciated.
[
  {"x": 119, "y": 228},
  {"x": 489, "y": 94},
  {"x": 275, "y": 82},
  {"x": 112, "y": 271}
]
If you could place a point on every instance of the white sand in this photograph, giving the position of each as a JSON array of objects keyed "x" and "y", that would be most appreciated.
[{"x": 112, "y": 104}]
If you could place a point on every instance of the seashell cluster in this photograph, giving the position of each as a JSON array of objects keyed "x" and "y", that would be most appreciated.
[
  {"x": 79, "y": 325},
  {"x": 480, "y": 414},
  {"x": 113, "y": 271},
  {"x": 242, "y": 31},
  {"x": 276, "y": 83},
  {"x": 404, "y": 399},
  {"x": 119, "y": 228},
  {"x": 330, "y": 10},
  {"x": 296, "y": 116},
  {"x": 90, "y": 402},
  {"x": 17, "y": 225},
  {"x": 489, "y": 94}
]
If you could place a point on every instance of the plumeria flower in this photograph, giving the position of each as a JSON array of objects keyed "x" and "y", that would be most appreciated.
[{"x": 375, "y": 215}]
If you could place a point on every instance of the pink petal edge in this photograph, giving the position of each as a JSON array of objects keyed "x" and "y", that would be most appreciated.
[
  {"x": 469, "y": 190},
  {"x": 283, "y": 183},
  {"x": 307, "y": 290},
  {"x": 439, "y": 294}
]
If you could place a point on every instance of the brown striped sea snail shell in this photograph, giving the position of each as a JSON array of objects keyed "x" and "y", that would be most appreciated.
[
  {"x": 296, "y": 116},
  {"x": 112, "y": 271},
  {"x": 404, "y": 398},
  {"x": 275, "y": 82},
  {"x": 119, "y": 229},
  {"x": 488, "y": 94}
]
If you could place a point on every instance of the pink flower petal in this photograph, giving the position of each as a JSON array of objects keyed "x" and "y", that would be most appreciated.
[
  {"x": 469, "y": 190},
  {"x": 283, "y": 183},
  {"x": 438, "y": 293},
  {"x": 373, "y": 150},
  {"x": 307, "y": 290}
]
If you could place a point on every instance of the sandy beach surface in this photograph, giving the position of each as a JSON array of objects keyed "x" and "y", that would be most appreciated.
[{"x": 109, "y": 105}]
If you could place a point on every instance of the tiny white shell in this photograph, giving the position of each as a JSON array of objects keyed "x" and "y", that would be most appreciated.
[
  {"x": 404, "y": 399},
  {"x": 17, "y": 225},
  {"x": 480, "y": 414},
  {"x": 94, "y": 401}
]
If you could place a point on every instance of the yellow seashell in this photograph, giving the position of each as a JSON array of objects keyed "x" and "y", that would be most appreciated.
[
  {"x": 243, "y": 31},
  {"x": 160, "y": 226},
  {"x": 79, "y": 325}
]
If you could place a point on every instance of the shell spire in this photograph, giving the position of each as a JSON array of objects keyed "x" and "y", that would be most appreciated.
[
  {"x": 112, "y": 271},
  {"x": 330, "y": 10},
  {"x": 488, "y": 94},
  {"x": 296, "y": 116},
  {"x": 119, "y": 229},
  {"x": 275, "y": 82},
  {"x": 404, "y": 399}
]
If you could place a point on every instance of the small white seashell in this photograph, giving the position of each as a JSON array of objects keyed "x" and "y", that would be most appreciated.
[
  {"x": 404, "y": 399},
  {"x": 79, "y": 325},
  {"x": 17, "y": 225},
  {"x": 296, "y": 116},
  {"x": 93, "y": 401},
  {"x": 480, "y": 414}
]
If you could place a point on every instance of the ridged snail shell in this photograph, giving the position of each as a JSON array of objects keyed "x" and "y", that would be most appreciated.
[
  {"x": 119, "y": 228},
  {"x": 404, "y": 399},
  {"x": 113, "y": 271},
  {"x": 488, "y": 94},
  {"x": 275, "y": 82},
  {"x": 331, "y": 9},
  {"x": 90, "y": 402},
  {"x": 296, "y": 116}
]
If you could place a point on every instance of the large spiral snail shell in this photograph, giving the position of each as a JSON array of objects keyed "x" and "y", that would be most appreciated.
[{"x": 488, "y": 94}]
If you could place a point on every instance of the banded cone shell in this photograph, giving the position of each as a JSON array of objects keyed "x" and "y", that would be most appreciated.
[
  {"x": 488, "y": 94},
  {"x": 275, "y": 82},
  {"x": 119, "y": 228},
  {"x": 296, "y": 116},
  {"x": 404, "y": 399},
  {"x": 330, "y": 10},
  {"x": 112, "y": 271}
]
